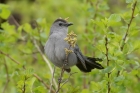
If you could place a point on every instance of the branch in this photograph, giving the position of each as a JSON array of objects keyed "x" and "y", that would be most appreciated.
[
  {"x": 45, "y": 59},
  {"x": 129, "y": 24},
  {"x": 127, "y": 31},
  {"x": 60, "y": 81},
  {"x": 52, "y": 80},
  {"x": 8, "y": 79},
  {"x": 43, "y": 56},
  {"x": 48, "y": 87},
  {"x": 107, "y": 58},
  {"x": 60, "y": 78},
  {"x": 7, "y": 55},
  {"x": 12, "y": 18},
  {"x": 38, "y": 29},
  {"x": 24, "y": 86},
  {"x": 67, "y": 79}
]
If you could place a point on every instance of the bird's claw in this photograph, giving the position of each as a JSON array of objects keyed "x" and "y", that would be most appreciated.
[{"x": 59, "y": 80}]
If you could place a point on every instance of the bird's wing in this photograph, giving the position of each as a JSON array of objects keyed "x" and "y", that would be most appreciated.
[{"x": 79, "y": 55}]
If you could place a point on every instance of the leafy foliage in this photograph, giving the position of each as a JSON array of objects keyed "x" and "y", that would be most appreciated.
[{"x": 101, "y": 27}]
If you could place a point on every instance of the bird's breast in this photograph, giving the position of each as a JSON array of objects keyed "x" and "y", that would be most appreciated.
[{"x": 55, "y": 51}]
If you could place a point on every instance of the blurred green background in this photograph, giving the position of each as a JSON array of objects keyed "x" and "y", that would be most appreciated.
[{"x": 23, "y": 21}]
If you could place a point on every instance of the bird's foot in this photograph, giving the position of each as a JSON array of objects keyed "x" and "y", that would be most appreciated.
[
  {"x": 65, "y": 63},
  {"x": 59, "y": 80}
]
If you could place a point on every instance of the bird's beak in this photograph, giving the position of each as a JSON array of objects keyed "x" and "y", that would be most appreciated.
[{"x": 69, "y": 24}]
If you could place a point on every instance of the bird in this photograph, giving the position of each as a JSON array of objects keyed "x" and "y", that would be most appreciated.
[{"x": 55, "y": 45}]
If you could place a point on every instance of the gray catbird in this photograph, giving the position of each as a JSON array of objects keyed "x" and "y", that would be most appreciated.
[{"x": 56, "y": 44}]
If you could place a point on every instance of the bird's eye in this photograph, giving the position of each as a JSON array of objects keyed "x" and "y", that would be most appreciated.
[{"x": 60, "y": 24}]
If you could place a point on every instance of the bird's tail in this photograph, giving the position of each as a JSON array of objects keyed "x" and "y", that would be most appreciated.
[{"x": 91, "y": 63}]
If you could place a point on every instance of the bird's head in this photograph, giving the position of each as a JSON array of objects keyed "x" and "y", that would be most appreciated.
[{"x": 60, "y": 25}]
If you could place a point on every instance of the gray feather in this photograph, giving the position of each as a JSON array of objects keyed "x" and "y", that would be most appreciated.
[{"x": 80, "y": 56}]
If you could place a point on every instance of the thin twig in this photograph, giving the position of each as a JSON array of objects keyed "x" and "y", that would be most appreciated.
[
  {"x": 24, "y": 86},
  {"x": 14, "y": 20},
  {"x": 38, "y": 29},
  {"x": 107, "y": 58},
  {"x": 45, "y": 59},
  {"x": 132, "y": 17},
  {"x": 8, "y": 79},
  {"x": 48, "y": 87},
  {"x": 52, "y": 80},
  {"x": 7, "y": 55},
  {"x": 67, "y": 79},
  {"x": 127, "y": 31},
  {"x": 60, "y": 79},
  {"x": 43, "y": 56}
]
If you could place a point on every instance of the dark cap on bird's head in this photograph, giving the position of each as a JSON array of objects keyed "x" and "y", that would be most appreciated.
[{"x": 62, "y": 22}]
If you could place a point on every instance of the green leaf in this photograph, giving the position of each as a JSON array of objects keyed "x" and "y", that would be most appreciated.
[
  {"x": 119, "y": 78},
  {"x": 103, "y": 6},
  {"x": 134, "y": 72},
  {"x": 27, "y": 27},
  {"x": 114, "y": 18},
  {"x": 4, "y": 11},
  {"x": 108, "y": 69},
  {"x": 85, "y": 91},
  {"x": 137, "y": 65},
  {"x": 129, "y": 1},
  {"x": 28, "y": 72},
  {"x": 39, "y": 89},
  {"x": 95, "y": 85},
  {"x": 31, "y": 82},
  {"x": 99, "y": 23},
  {"x": 9, "y": 29}
]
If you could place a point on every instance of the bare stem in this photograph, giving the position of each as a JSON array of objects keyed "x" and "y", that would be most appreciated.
[
  {"x": 39, "y": 30},
  {"x": 107, "y": 58},
  {"x": 41, "y": 80},
  {"x": 68, "y": 79},
  {"x": 24, "y": 86},
  {"x": 127, "y": 31},
  {"x": 129, "y": 24},
  {"x": 52, "y": 80},
  {"x": 8, "y": 79},
  {"x": 60, "y": 79},
  {"x": 7, "y": 55},
  {"x": 45, "y": 59}
]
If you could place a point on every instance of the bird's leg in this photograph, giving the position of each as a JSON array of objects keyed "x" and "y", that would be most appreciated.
[
  {"x": 63, "y": 70},
  {"x": 66, "y": 62}
]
